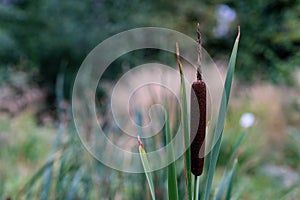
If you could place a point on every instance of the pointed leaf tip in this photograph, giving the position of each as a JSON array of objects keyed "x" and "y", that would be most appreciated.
[
  {"x": 239, "y": 33},
  {"x": 140, "y": 142},
  {"x": 177, "y": 50},
  {"x": 178, "y": 59}
]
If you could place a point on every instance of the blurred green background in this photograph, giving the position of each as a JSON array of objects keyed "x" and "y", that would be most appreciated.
[{"x": 42, "y": 45}]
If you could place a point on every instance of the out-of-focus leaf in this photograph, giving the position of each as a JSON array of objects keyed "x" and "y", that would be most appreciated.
[
  {"x": 146, "y": 167},
  {"x": 75, "y": 185},
  {"x": 172, "y": 177}
]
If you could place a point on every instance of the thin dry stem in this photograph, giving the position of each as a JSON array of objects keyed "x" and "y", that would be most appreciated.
[{"x": 199, "y": 47}]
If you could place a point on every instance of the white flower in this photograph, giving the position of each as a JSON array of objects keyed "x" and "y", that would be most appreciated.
[{"x": 247, "y": 120}]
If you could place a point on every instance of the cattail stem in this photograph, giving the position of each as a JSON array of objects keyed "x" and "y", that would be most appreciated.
[{"x": 199, "y": 47}]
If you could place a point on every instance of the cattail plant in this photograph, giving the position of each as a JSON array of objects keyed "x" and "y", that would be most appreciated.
[
  {"x": 194, "y": 154},
  {"x": 198, "y": 116}
]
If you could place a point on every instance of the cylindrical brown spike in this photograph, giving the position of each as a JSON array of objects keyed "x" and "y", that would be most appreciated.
[{"x": 198, "y": 126}]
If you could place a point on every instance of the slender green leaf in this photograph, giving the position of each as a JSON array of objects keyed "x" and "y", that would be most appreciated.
[
  {"x": 59, "y": 188},
  {"x": 221, "y": 118},
  {"x": 236, "y": 147},
  {"x": 230, "y": 182},
  {"x": 226, "y": 175},
  {"x": 88, "y": 187},
  {"x": 172, "y": 177},
  {"x": 222, "y": 186},
  {"x": 47, "y": 182},
  {"x": 185, "y": 129},
  {"x": 35, "y": 178},
  {"x": 146, "y": 167},
  {"x": 75, "y": 185}
]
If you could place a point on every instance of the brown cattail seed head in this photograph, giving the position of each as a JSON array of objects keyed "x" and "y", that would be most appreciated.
[{"x": 198, "y": 126}]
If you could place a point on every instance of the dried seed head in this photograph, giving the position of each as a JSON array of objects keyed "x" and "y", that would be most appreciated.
[{"x": 198, "y": 126}]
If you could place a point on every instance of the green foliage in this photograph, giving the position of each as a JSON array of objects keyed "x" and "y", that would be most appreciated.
[
  {"x": 227, "y": 179},
  {"x": 51, "y": 34},
  {"x": 271, "y": 39}
]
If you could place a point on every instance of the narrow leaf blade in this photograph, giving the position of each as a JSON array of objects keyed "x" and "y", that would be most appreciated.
[
  {"x": 226, "y": 174},
  {"x": 146, "y": 167},
  {"x": 172, "y": 177},
  {"x": 221, "y": 117},
  {"x": 231, "y": 176},
  {"x": 185, "y": 128},
  {"x": 75, "y": 185}
]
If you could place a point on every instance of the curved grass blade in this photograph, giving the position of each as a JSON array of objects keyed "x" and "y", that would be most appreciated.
[
  {"x": 75, "y": 185},
  {"x": 221, "y": 117},
  {"x": 172, "y": 177},
  {"x": 87, "y": 188},
  {"x": 47, "y": 182},
  {"x": 27, "y": 187},
  {"x": 226, "y": 174},
  {"x": 231, "y": 176},
  {"x": 59, "y": 188},
  {"x": 236, "y": 147},
  {"x": 185, "y": 129},
  {"x": 34, "y": 178},
  {"x": 146, "y": 167}
]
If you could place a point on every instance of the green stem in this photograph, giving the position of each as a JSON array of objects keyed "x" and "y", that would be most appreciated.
[{"x": 195, "y": 188}]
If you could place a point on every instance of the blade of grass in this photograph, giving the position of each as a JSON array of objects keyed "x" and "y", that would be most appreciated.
[
  {"x": 75, "y": 185},
  {"x": 236, "y": 146},
  {"x": 28, "y": 185},
  {"x": 146, "y": 167},
  {"x": 231, "y": 176},
  {"x": 47, "y": 182},
  {"x": 59, "y": 188},
  {"x": 185, "y": 129},
  {"x": 88, "y": 187},
  {"x": 171, "y": 170},
  {"x": 221, "y": 117},
  {"x": 226, "y": 174},
  {"x": 34, "y": 179}
]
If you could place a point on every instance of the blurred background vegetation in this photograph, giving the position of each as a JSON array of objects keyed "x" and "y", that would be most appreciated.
[{"x": 43, "y": 41}]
